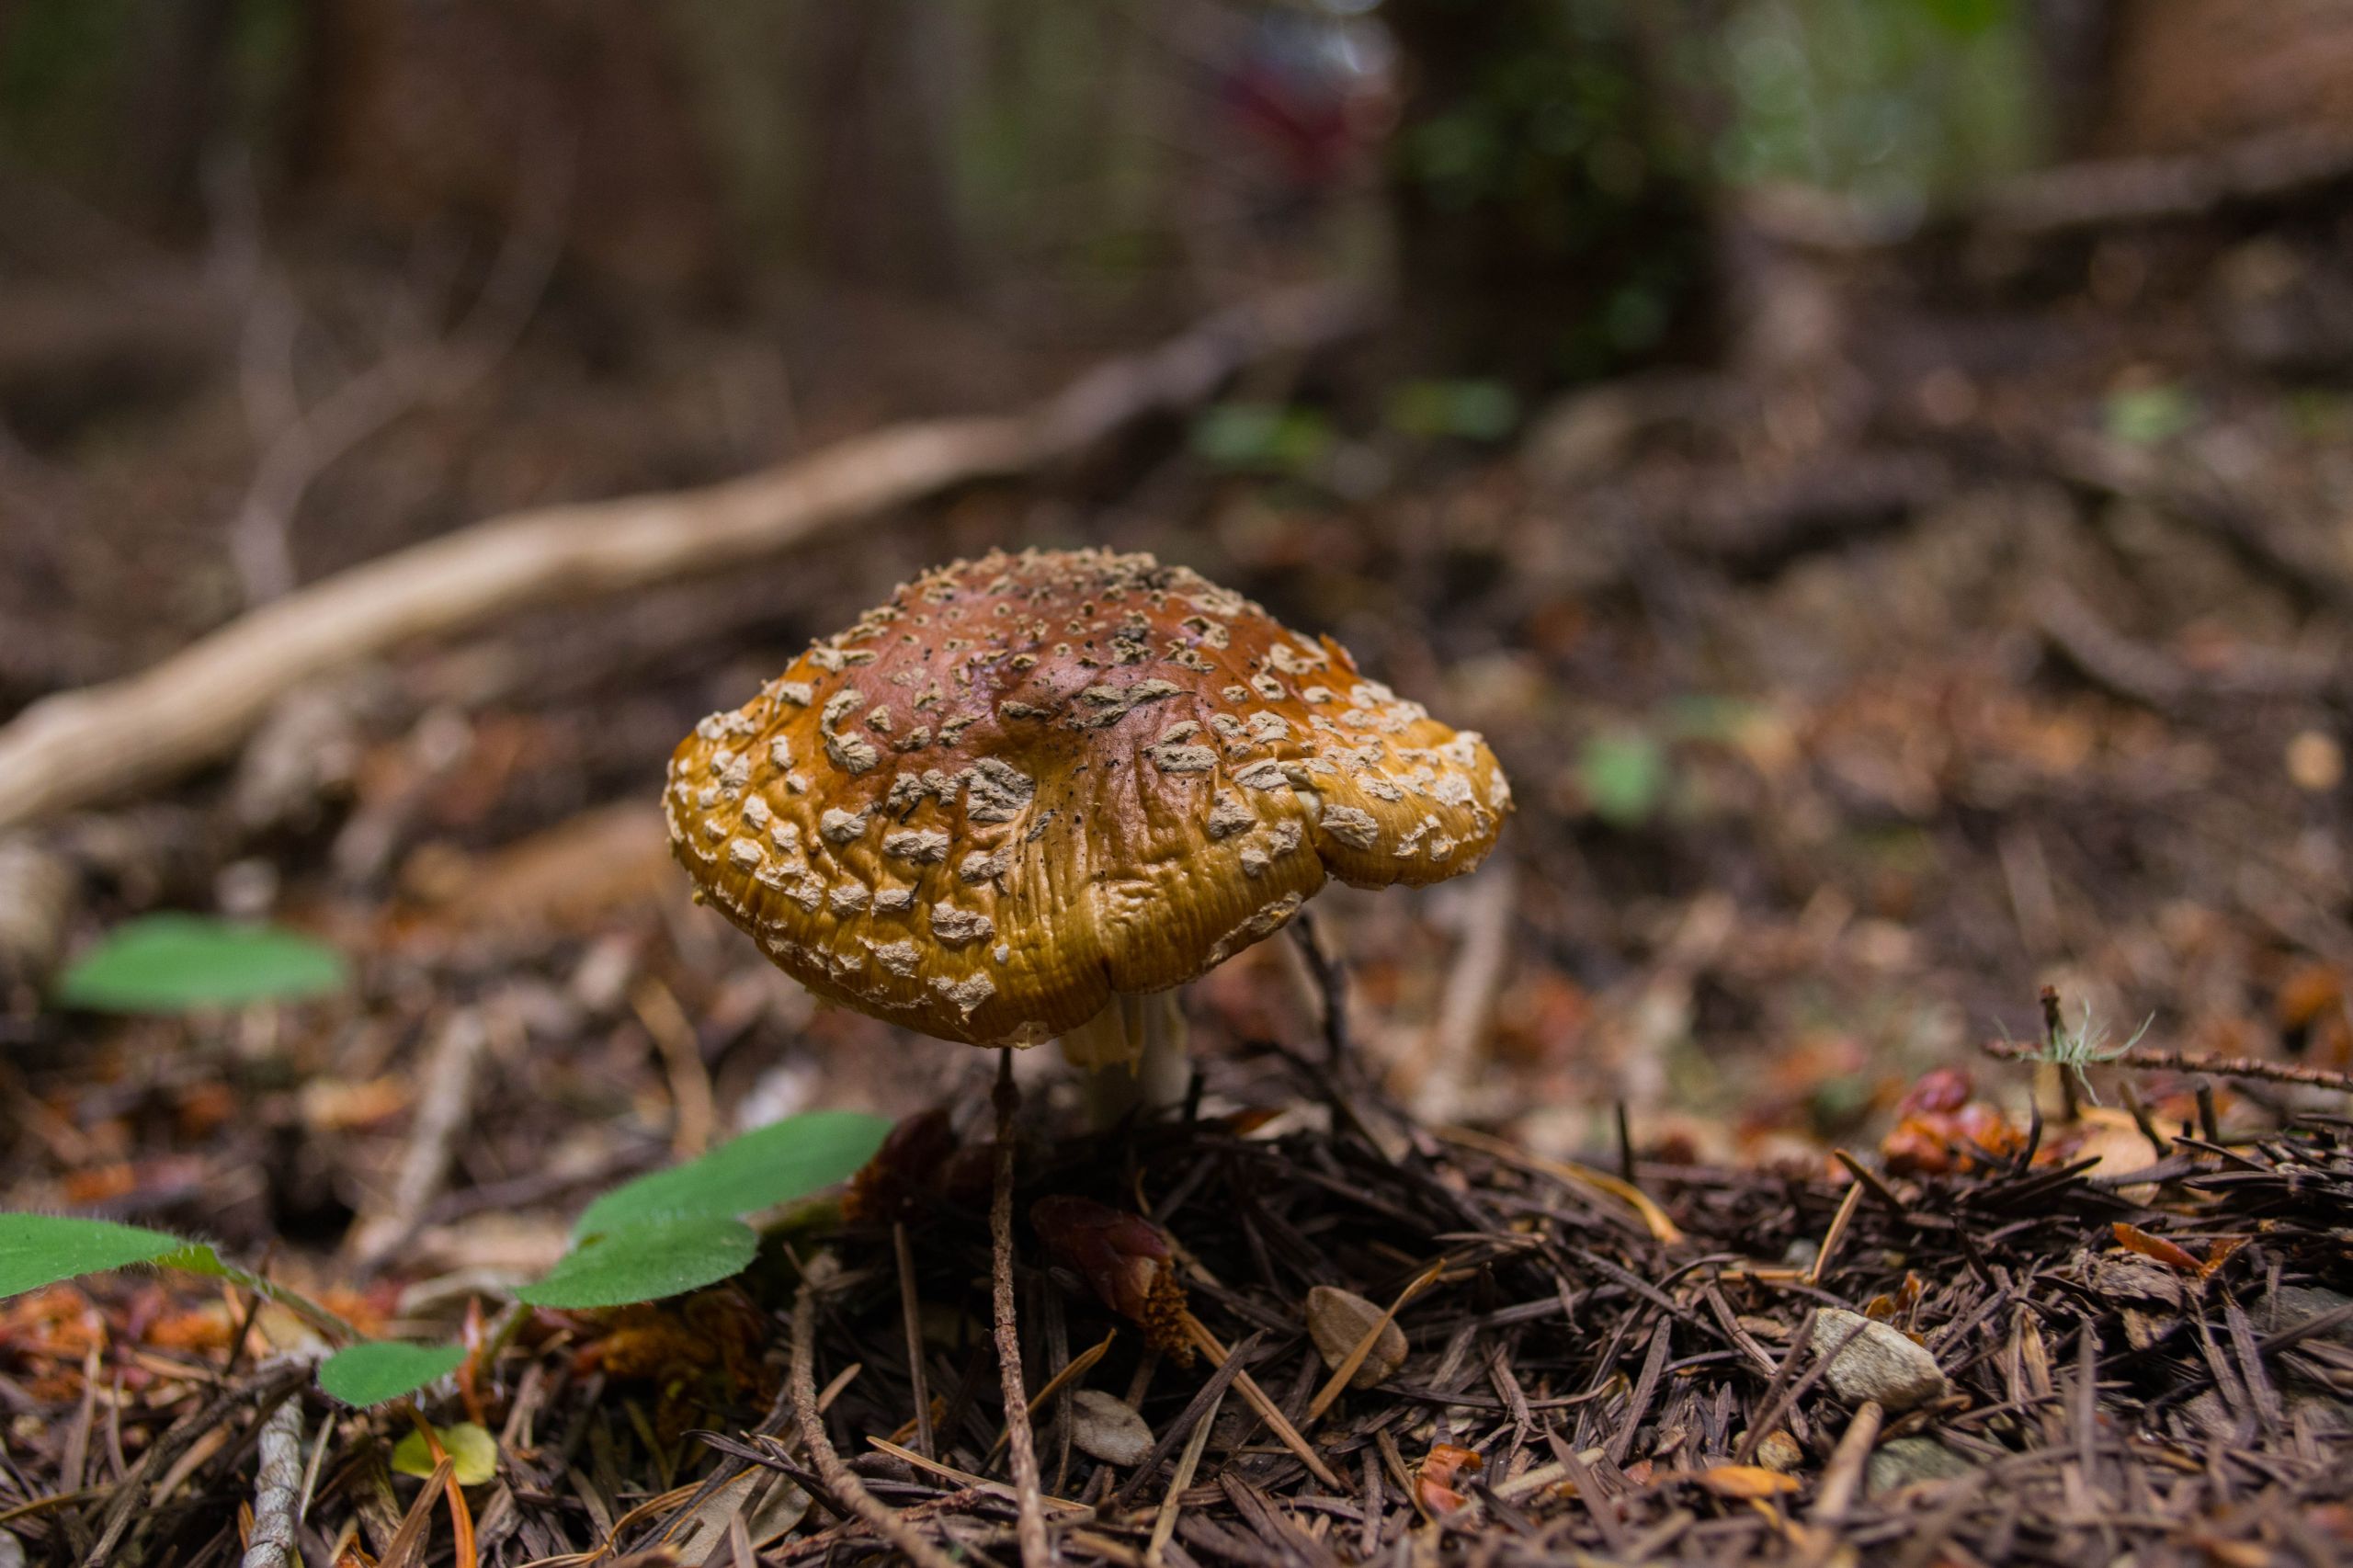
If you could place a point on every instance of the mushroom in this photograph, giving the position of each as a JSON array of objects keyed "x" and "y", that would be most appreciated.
[{"x": 1032, "y": 795}]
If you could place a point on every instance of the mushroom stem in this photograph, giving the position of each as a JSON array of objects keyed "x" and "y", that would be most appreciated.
[{"x": 1131, "y": 1056}]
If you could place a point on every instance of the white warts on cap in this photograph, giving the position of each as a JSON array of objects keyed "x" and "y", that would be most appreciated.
[
  {"x": 1229, "y": 815},
  {"x": 957, "y": 927},
  {"x": 925, "y": 846}
]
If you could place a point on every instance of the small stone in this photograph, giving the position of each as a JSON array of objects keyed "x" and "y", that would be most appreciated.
[
  {"x": 1338, "y": 1319},
  {"x": 1904, "y": 1461},
  {"x": 1875, "y": 1362},
  {"x": 1108, "y": 1430},
  {"x": 1779, "y": 1452}
]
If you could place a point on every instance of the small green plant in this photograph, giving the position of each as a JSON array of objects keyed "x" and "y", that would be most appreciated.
[
  {"x": 662, "y": 1234},
  {"x": 473, "y": 1453},
  {"x": 2087, "y": 1045},
  {"x": 1262, "y": 437},
  {"x": 2148, "y": 416},
  {"x": 177, "y": 962},
  {"x": 1624, "y": 775},
  {"x": 1470, "y": 410}
]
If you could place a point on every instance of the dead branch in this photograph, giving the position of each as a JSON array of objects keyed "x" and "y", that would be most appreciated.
[
  {"x": 2102, "y": 193},
  {"x": 839, "y": 1479},
  {"x": 2149, "y": 1059},
  {"x": 76, "y": 746},
  {"x": 2067, "y": 198}
]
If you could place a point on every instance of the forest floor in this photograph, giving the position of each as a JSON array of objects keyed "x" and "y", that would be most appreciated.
[{"x": 1981, "y": 626}]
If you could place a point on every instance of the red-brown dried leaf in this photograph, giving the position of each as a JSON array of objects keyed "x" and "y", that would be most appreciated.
[
  {"x": 2134, "y": 1239},
  {"x": 1940, "y": 1090},
  {"x": 1940, "y": 1127},
  {"x": 1434, "y": 1482},
  {"x": 903, "y": 1171}
]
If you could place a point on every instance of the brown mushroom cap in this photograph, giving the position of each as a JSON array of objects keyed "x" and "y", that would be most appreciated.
[{"x": 1032, "y": 782}]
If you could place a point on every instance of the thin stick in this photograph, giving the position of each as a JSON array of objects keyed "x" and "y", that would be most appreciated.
[
  {"x": 451, "y": 1073},
  {"x": 1843, "y": 1474},
  {"x": 1077, "y": 1367},
  {"x": 461, "y": 1516},
  {"x": 1835, "y": 1234},
  {"x": 2151, "y": 1059},
  {"x": 839, "y": 1479},
  {"x": 1268, "y": 1411},
  {"x": 1334, "y": 988},
  {"x": 1186, "y": 1464},
  {"x": 1031, "y": 1523},
  {"x": 277, "y": 1489},
  {"x": 966, "y": 1478},
  {"x": 693, "y": 1114},
  {"x": 70, "y": 749},
  {"x": 911, "y": 1308}
]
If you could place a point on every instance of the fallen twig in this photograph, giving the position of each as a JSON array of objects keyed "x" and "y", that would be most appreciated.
[
  {"x": 839, "y": 1479},
  {"x": 448, "y": 1073},
  {"x": 125, "y": 1520},
  {"x": 2149, "y": 1059},
  {"x": 277, "y": 1489},
  {"x": 69, "y": 749},
  {"x": 1020, "y": 1440}
]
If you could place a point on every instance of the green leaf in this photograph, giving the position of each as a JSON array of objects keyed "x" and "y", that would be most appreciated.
[
  {"x": 2145, "y": 416},
  {"x": 473, "y": 1451},
  {"x": 41, "y": 1249},
  {"x": 1261, "y": 436},
  {"x": 1467, "y": 410},
  {"x": 646, "y": 1263},
  {"x": 170, "y": 963},
  {"x": 766, "y": 1166},
  {"x": 377, "y": 1370},
  {"x": 1623, "y": 775}
]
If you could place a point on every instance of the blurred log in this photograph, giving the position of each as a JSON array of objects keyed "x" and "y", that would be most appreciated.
[{"x": 196, "y": 705}]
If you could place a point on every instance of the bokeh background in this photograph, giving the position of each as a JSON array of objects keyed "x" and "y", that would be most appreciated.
[{"x": 1876, "y": 470}]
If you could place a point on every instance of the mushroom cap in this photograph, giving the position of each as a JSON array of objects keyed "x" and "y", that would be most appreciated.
[{"x": 1031, "y": 782}]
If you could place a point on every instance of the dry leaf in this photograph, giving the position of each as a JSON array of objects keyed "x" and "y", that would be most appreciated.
[
  {"x": 1434, "y": 1482},
  {"x": 1106, "y": 1429},
  {"x": 2136, "y": 1239},
  {"x": 1338, "y": 1319}
]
